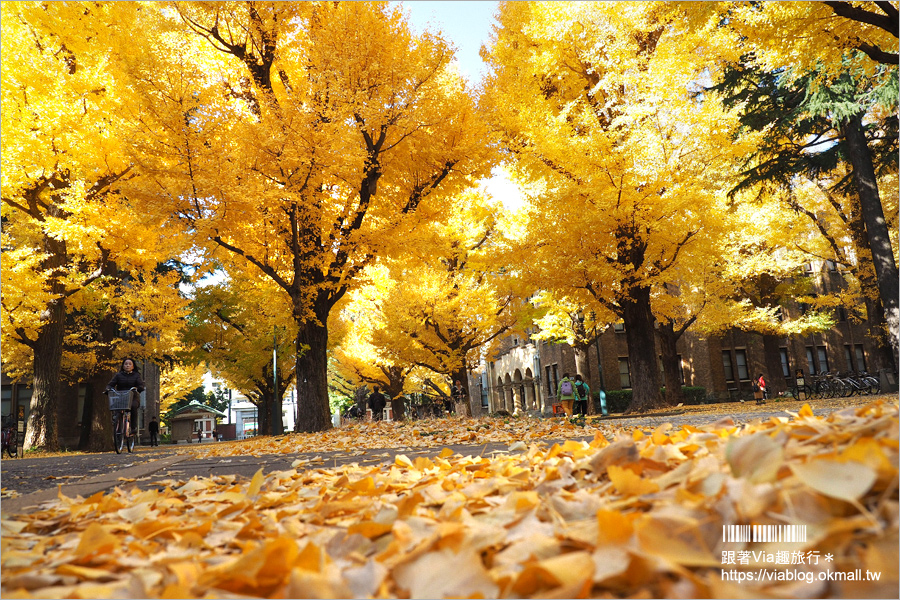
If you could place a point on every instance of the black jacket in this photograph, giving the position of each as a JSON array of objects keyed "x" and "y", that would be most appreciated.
[
  {"x": 377, "y": 402},
  {"x": 122, "y": 381}
]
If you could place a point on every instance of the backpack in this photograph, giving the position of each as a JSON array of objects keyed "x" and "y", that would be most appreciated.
[
  {"x": 579, "y": 385},
  {"x": 566, "y": 388}
]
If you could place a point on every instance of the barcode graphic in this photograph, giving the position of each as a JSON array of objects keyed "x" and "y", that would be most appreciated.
[{"x": 764, "y": 533}]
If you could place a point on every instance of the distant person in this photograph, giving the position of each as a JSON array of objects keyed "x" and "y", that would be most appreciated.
[
  {"x": 377, "y": 402},
  {"x": 584, "y": 392},
  {"x": 126, "y": 379},
  {"x": 763, "y": 389},
  {"x": 566, "y": 394},
  {"x": 153, "y": 428},
  {"x": 355, "y": 412},
  {"x": 460, "y": 397}
]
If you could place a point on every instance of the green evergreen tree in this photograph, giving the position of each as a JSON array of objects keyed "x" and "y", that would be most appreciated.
[{"x": 826, "y": 130}]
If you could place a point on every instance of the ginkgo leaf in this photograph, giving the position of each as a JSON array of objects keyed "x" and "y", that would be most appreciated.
[
  {"x": 446, "y": 574},
  {"x": 628, "y": 483},
  {"x": 96, "y": 540},
  {"x": 842, "y": 480},
  {"x": 755, "y": 457}
]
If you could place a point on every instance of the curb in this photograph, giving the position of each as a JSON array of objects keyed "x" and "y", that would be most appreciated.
[{"x": 31, "y": 502}]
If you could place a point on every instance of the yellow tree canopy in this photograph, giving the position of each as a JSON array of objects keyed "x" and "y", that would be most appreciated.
[
  {"x": 302, "y": 138},
  {"x": 67, "y": 223},
  {"x": 626, "y": 162},
  {"x": 447, "y": 300}
]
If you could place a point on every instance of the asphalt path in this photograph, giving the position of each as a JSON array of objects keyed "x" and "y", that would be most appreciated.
[{"x": 38, "y": 480}]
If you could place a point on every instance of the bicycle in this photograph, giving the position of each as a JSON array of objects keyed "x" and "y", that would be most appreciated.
[
  {"x": 10, "y": 440},
  {"x": 120, "y": 406}
]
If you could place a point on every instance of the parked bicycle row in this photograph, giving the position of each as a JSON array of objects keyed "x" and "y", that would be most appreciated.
[{"x": 831, "y": 385}]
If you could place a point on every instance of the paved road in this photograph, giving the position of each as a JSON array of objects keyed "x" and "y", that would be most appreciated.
[{"x": 37, "y": 480}]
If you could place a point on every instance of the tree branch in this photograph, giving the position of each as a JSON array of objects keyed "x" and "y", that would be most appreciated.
[{"x": 888, "y": 22}]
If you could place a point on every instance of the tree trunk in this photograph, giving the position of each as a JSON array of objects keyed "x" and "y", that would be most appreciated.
[
  {"x": 314, "y": 411},
  {"x": 276, "y": 416},
  {"x": 876, "y": 326},
  {"x": 263, "y": 403},
  {"x": 42, "y": 430},
  {"x": 876, "y": 225},
  {"x": 641, "y": 340},
  {"x": 775, "y": 381},
  {"x": 96, "y": 424},
  {"x": 668, "y": 345}
]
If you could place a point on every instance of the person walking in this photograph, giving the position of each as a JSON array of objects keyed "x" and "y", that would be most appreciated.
[
  {"x": 763, "y": 389},
  {"x": 584, "y": 392},
  {"x": 566, "y": 394},
  {"x": 153, "y": 428},
  {"x": 377, "y": 402},
  {"x": 460, "y": 399},
  {"x": 125, "y": 379}
]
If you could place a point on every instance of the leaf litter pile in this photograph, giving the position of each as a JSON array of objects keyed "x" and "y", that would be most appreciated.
[{"x": 644, "y": 514}]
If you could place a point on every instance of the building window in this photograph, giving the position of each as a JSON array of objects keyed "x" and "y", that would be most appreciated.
[
  {"x": 624, "y": 373},
  {"x": 832, "y": 266},
  {"x": 727, "y": 366},
  {"x": 552, "y": 379},
  {"x": 823, "y": 359},
  {"x": 842, "y": 314},
  {"x": 662, "y": 368},
  {"x": 740, "y": 357},
  {"x": 785, "y": 363},
  {"x": 808, "y": 268},
  {"x": 515, "y": 341},
  {"x": 619, "y": 327},
  {"x": 848, "y": 357},
  {"x": 6, "y": 402},
  {"x": 860, "y": 358},
  {"x": 810, "y": 360}
]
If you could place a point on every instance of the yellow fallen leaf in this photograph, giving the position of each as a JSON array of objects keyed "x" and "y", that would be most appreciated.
[
  {"x": 446, "y": 574},
  {"x": 756, "y": 457},
  {"x": 85, "y": 573},
  {"x": 96, "y": 540},
  {"x": 369, "y": 529},
  {"x": 255, "y": 484},
  {"x": 628, "y": 483},
  {"x": 842, "y": 480},
  {"x": 615, "y": 527}
]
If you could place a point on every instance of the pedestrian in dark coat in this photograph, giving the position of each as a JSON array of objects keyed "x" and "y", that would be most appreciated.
[{"x": 153, "y": 428}]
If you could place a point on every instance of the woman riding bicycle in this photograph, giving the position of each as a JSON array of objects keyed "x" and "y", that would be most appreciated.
[{"x": 124, "y": 380}]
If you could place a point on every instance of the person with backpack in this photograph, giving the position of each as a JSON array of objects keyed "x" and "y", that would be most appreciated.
[
  {"x": 566, "y": 394},
  {"x": 583, "y": 390}
]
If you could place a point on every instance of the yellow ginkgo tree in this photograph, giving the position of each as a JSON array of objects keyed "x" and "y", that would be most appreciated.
[
  {"x": 68, "y": 227},
  {"x": 443, "y": 302},
  {"x": 598, "y": 109},
  {"x": 302, "y": 139}
]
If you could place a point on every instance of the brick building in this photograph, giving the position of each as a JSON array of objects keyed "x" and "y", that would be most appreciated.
[{"x": 524, "y": 374}]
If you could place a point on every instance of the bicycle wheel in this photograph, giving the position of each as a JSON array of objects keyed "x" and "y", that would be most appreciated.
[
  {"x": 847, "y": 388},
  {"x": 118, "y": 436},
  {"x": 130, "y": 442},
  {"x": 874, "y": 384}
]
